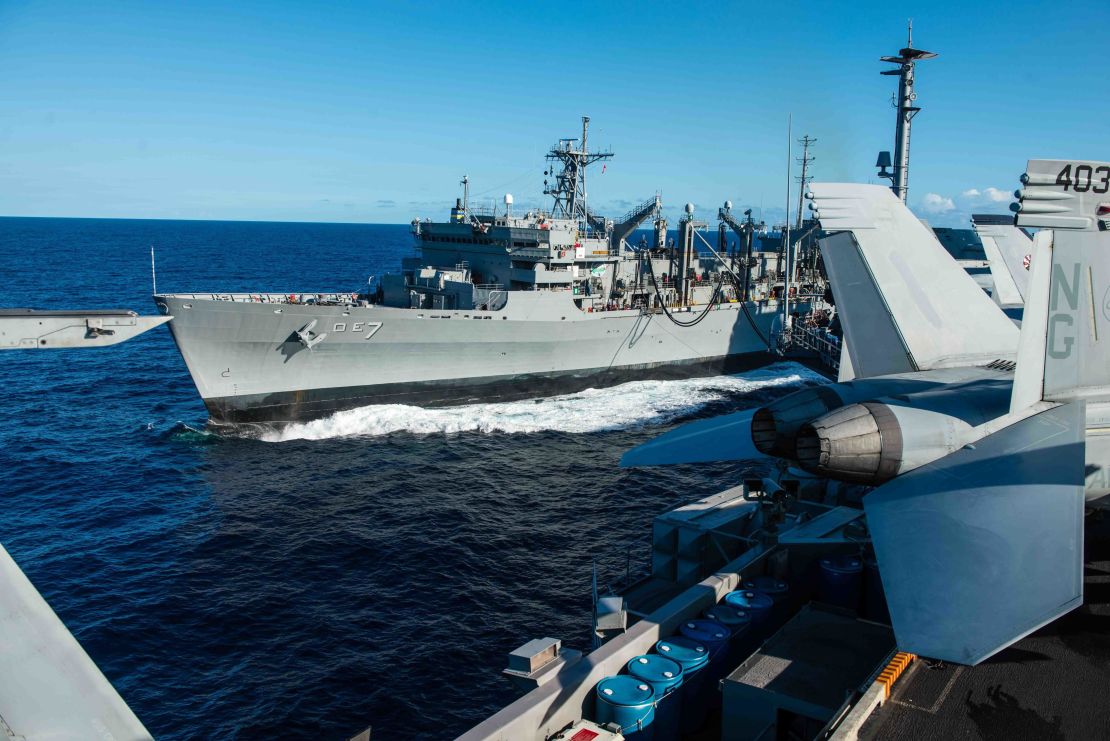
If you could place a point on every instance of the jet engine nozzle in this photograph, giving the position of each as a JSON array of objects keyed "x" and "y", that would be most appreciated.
[
  {"x": 869, "y": 431},
  {"x": 775, "y": 425},
  {"x": 859, "y": 442}
]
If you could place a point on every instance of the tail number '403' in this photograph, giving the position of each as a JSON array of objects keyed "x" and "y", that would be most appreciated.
[
  {"x": 368, "y": 327},
  {"x": 1083, "y": 178}
]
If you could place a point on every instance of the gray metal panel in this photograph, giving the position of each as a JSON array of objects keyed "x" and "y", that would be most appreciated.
[
  {"x": 49, "y": 687},
  {"x": 724, "y": 438},
  {"x": 1013, "y": 244},
  {"x": 985, "y": 546},
  {"x": 1077, "y": 350},
  {"x": 1005, "y": 290},
  {"x": 26, "y": 329},
  {"x": 943, "y": 317},
  {"x": 874, "y": 343},
  {"x": 1063, "y": 194}
]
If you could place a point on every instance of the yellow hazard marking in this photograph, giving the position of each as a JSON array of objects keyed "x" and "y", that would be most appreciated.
[{"x": 893, "y": 670}]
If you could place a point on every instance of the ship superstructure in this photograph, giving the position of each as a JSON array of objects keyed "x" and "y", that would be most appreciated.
[{"x": 498, "y": 305}]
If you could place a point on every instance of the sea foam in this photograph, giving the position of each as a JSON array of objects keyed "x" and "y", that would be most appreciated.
[{"x": 629, "y": 405}]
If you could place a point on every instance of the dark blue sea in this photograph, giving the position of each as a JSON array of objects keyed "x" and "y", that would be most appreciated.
[{"x": 373, "y": 568}]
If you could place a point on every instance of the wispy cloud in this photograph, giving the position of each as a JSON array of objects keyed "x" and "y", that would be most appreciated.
[
  {"x": 945, "y": 210},
  {"x": 934, "y": 203}
]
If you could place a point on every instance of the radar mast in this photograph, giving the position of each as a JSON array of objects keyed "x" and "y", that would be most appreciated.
[
  {"x": 569, "y": 187},
  {"x": 905, "y": 103}
]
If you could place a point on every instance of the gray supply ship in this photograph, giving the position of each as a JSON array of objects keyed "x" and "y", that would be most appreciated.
[{"x": 498, "y": 306}]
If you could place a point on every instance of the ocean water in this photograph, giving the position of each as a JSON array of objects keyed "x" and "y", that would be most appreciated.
[{"x": 372, "y": 568}]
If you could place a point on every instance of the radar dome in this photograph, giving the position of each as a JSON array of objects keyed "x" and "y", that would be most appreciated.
[
  {"x": 728, "y": 205},
  {"x": 508, "y": 199},
  {"x": 690, "y": 209}
]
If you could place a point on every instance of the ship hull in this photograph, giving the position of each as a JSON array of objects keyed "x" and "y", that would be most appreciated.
[
  {"x": 250, "y": 365},
  {"x": 307, "y": 404}
]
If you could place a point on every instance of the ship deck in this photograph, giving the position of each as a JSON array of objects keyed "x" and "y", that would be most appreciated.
[{"x": 1052, "y": 684}]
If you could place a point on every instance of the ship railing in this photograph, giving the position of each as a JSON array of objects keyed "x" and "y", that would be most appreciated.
[
  {"x": 490, "y": 296},
  {"x": 618, "y": 570},
  {"x": 647, "y": 207},
  {"x": 816, "y": 340},
  {"x": 275, "y": 298}
]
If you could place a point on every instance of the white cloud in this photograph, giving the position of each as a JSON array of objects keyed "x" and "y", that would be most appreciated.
[
  {"x": 956, "y": 211},
  {"x": 934, "y": 203},
  {"x": 973, "y": 197}
]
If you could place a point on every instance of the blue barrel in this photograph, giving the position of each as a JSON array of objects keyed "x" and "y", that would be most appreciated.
[
  {"x": 665, "y": 677},
  {"x": 738, "y": 623},
  {"x": 874, "y": 598},
  {"x": 840, "y": 581},
  {"x": 709, "y": 633},
  {"x": 693, "y": 657},
  {"x": 778, "y": 590},
  {"x": 628, "y": 702},
  {"x": 715, "y": 637},
  {"x": 756, "y": 604}
]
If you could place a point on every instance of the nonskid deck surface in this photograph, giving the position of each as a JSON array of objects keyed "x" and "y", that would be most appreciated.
[{"x": 1053, "y": 684}]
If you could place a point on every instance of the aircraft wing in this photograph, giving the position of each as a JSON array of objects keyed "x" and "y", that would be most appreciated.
[
  {"x": 49, "y": 687},
  {"x": 724, "y": 438}
]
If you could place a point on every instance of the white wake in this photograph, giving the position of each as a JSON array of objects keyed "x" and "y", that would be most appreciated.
[{"x": 626, "y": 406}]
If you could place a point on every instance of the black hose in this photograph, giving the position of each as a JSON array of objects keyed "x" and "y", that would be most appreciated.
[
  {"x": 700, "y": 317},
  {"x": 705, "y": 312}
]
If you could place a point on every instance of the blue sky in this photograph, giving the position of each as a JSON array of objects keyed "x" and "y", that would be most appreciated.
[{"x": 371, "y": 112}]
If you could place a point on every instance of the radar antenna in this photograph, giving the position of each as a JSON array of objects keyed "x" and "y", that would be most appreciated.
[
  {"x": 904, "y": 102},
  {"x": 569, "y": 188}
]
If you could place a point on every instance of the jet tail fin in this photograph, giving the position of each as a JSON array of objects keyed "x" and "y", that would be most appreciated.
[
  {"x": 1064, "y": 352},
  {"x": 905, "y": 304},
  {"x": 984, "y": 546},
  {"x": 1008, "y": 250}
]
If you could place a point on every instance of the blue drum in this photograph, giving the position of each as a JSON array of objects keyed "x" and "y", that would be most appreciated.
[
  {"x": 840, "y": 581},
  {"x": 738, "y": 623},
  {"x": 693, "y": 657},
  {"x": 779, "y": 592},
  {"x": 756, "y": 604},
  {"x": 665, "y": 677},
  {"x": 629, "y": 703},
  {"x": 776, "y": 589},
  {"x": 715, "y": 637}
]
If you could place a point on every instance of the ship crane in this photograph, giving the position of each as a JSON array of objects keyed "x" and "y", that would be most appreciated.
[
  {"x": 628, "y": 223},
  {"x": 746, "y": 231},
  {"x": 741, "y": 228}
]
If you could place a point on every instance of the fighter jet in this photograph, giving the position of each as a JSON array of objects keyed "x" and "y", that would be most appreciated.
[{"x": 976, "y": 437}]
